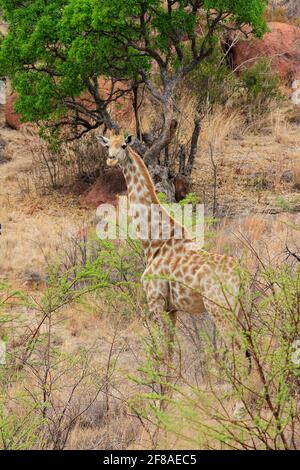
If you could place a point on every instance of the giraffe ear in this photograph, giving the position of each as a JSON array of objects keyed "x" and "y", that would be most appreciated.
[
  {"x": 129, "y": 139},
  {"x": 103, "y": 140}
]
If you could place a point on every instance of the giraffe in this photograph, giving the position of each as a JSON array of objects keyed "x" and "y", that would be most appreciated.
[{"x": 179, "y": 276}]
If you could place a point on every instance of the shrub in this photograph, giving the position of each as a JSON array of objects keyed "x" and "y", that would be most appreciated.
[
  {"x": 64, "y": 166},
  {"x": 201, "y": 414},
  {"x": 212, "y": 81},
  {"x": 261, "y": 87},
  {"x": 47, "y": 393}
]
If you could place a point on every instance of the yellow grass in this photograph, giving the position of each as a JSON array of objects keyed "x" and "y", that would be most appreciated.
[{"x": 35, "y": 231}]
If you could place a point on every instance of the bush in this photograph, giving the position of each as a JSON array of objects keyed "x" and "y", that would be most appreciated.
[
  {"x": 200, "y": 413},
  {"x": 48, "y": 394},
  {"x": 261, "y": 86},
  {"x": 64, "y": 166},
  {"x": 212, "y": 81}
]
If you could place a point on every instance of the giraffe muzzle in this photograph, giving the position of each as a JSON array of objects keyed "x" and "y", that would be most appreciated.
[{"x": 111, "y": 161}]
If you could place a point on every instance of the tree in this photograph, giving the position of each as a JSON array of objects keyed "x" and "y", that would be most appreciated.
[{"x": 56, "y": 50}]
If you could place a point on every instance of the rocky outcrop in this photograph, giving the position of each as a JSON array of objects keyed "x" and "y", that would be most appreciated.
[
  {"x": 12, "y": 118},
  {"x": 281, "y": 45},
  {"x": 105, "y": 190}
]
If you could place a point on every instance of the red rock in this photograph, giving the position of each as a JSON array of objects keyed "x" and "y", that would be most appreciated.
[
  {"x": 12, "y": 118},
  {"x": 105, "y": 189},
  {"x": 281, "y": 45},
  {"x": 121, "y": 108}
]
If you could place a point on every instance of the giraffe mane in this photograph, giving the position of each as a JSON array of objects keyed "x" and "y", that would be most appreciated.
[
  {"x": 150, "y": 186},
  {"x": 149, "y": 183}
]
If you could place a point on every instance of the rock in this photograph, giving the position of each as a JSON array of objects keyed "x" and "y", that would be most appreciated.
[
  {"x": 31, "y": 279},
  {"x": 281, "y": 45},
  {"x": 287, "y": 176},
  {"x": 12, "y": 118},
  {"x": 105, "y": 189}
]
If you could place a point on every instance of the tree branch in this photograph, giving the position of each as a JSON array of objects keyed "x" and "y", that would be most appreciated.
[{"x": 194, "y": 144}]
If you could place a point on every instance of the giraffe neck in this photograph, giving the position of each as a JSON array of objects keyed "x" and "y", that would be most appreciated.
[
  {"x": 141, "y": 192},
  {"x": 139, "y": 183}
]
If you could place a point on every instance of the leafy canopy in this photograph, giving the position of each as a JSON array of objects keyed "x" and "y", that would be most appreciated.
[{"x": 56, "y": 49}]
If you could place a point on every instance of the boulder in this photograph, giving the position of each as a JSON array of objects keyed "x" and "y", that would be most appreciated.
[
  {"x": 31, "y": 279},
  {"x": 12, "y": 118},
  {"x": 281, "y": 45},
  {"x": 287, "y": 176},
  {"x": 105, "y": 190}
]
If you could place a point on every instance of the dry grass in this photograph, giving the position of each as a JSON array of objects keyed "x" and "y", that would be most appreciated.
[
  {"x": 267, "y": 235},
  {"x": 296, "y": 172},
  {"x": 35, "y": 230},
  {"x": 254, "y": 169},
  {"x": 218, "y": 127},
  {"x": 71, "y": 168},
  {"x": 32, "y": 236},
  {"x": 280, "y": 128}
]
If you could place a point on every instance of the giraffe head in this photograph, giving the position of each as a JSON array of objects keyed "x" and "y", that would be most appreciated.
[{"x": 116, "y": 148}]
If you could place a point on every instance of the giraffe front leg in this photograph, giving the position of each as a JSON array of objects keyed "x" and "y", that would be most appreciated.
[
  {"x": 165, "y": 321},
  {"x": 168, "y": 346}
]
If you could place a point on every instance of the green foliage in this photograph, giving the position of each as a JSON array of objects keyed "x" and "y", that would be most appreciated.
[
  {"x": 18, "y": 432},
  {"x": 261, "y": 85},
  {"x": 190, "y": 198},
  {"x": 250, "y": 12},
  {"x": 202, "y": 416},
  {"x": 212, "y": 81},
  {"x": 54, "y": 51},
  {"x": 44, "y": 389},
  {"x": 291, "y": 205}
]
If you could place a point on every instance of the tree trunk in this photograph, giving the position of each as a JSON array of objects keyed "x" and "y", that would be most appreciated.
[{"x": 163, "y": 181}]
